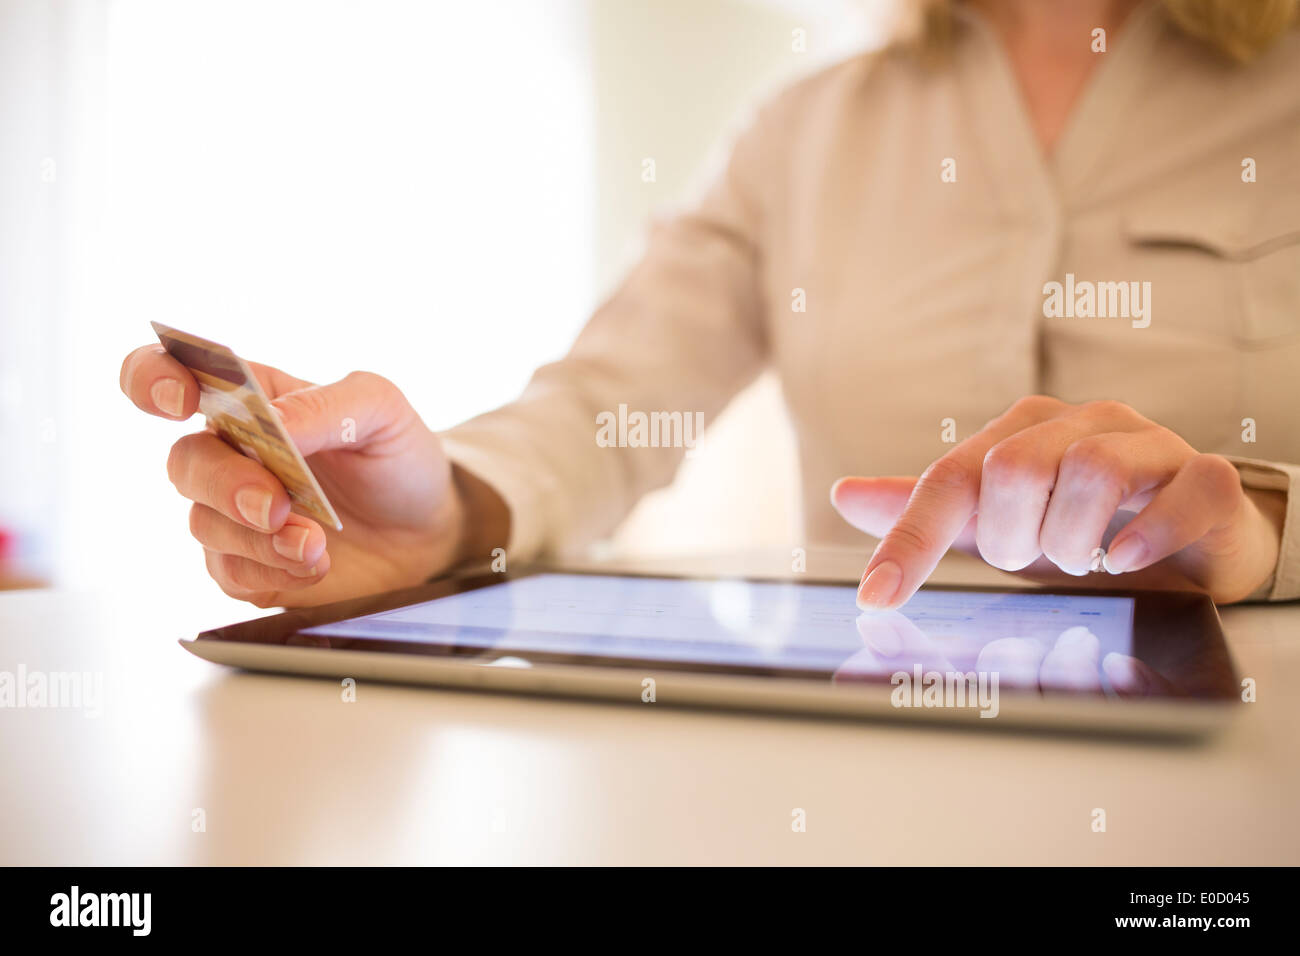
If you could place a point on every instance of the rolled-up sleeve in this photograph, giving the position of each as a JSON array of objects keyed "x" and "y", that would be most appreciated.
[{"x": 1278, "y": 476}]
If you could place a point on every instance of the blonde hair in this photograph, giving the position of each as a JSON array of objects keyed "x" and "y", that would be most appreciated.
[{"x": 1238, "y": 29}]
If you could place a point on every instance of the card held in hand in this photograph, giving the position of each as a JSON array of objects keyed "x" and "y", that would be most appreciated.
[{"x": 238, "y": 410}]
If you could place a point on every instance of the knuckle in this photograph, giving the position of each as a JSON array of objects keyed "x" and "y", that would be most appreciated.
[
  {"x": 225, "y": 571},
  {"x": 217, "y": 571},
  {"x": 1036, "y": 406},
  {"x": 369, "y": 381},
  {"x": 175, "y": 457},
  {"x": 178, "y": 461},
  {"x": 309, "y": 403},
  {"x": 258, "y": 547},
  {"x": 1215, "y": 476},
  {"x": 1005, "y": 558},
  {"x": 906, "y": 536},
  {"x": 243, "y": 573},
  {"x": 1107, "y": 408},
  {"x": 1014, "y": 461},
  {"x": 1004, "y": 551},
  {"x": 222, "y": 478},
  {"x": 260, "y": 599},
  {"x": 198, "y": 523},
  {"x": 124, "y": 375},
  {"x": 1093, "y": 458},
  {"x": 950, "y": 476},
  {"x": 228, "y": 589},
  {"x": 373, "y": 391}
]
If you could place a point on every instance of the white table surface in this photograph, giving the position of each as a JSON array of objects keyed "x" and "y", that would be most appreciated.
[{"x": 286, "y": 773}]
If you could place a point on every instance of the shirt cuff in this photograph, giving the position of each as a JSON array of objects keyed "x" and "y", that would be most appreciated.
[
  {"x": 1276, "y": 476},
  {"x": 528, "y": 532}
]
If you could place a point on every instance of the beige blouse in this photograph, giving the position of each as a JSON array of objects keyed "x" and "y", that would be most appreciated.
[{"x": 883, "y": 236}]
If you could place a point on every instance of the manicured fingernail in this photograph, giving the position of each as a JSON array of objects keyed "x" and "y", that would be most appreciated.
[
  {"x": 1127, "y": 555},
  {"x": 255, "y": 506},
  {"x": 168, "y": 396},
  {"x": 879, "y": 587},
  {"x": 291, "y": 542},
  {"x": 835, "y": 487}
]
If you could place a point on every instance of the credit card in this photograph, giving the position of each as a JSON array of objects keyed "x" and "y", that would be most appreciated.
[{"x": 239, "y": 411}]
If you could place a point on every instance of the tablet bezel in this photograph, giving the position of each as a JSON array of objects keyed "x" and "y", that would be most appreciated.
[{"x": 1154, "y": 613}]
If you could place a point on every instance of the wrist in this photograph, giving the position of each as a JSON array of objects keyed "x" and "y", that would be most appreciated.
[{"x": 481, "y": 518}]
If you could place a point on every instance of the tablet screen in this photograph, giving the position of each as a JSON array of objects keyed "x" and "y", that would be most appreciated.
[{"x": 1067, "y": 642}]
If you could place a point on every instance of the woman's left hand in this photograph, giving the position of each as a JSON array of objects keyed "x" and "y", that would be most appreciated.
[{"x": 1036, "y": 489}]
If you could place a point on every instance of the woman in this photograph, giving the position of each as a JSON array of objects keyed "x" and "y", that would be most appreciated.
[{"x": 1076, "y": 221}]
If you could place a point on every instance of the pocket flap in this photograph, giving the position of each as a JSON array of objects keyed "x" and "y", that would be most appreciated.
[{"x": 1236, "y": 230}]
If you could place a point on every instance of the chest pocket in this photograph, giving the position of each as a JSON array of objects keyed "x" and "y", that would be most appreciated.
[
  {"x": 1230, "y": 274},
  {"x": 1230, "y": 269}
]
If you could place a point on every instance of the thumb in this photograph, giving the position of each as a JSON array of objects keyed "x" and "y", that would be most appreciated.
[
  {"x": 354, "y": 412},
  {"x": 874, "y": 504}
]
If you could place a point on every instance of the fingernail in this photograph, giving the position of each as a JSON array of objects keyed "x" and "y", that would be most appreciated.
[
  {"x": 879, "y": 587},
  {"x": 255, "y": 506},
  {"x": 835, "y": 487},
  {"x": 291, "y": 543},
  {"x": 168, "y": 396},
  {"x": 1127, "y": 555}
]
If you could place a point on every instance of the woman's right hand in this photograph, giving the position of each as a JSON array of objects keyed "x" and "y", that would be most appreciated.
[{"x": 403, "y": 512}]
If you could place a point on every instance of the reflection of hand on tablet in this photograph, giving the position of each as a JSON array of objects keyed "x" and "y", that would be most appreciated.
[
  {"x": 1016, "y": 660},
  {"x": 1072, "y": 663},
  {"x": 1036, "y": 490},
  {"x": 1132, "y": 678},
  {"x": 892, "y": 643},
  {"x": 403, "y": 512}
]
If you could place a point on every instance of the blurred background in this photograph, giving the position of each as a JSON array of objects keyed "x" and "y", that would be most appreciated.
[{"x": 437, "y": 191}]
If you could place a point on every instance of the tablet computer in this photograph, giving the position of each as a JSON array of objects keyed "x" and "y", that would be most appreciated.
[{"x": 1140, "y": 662}]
